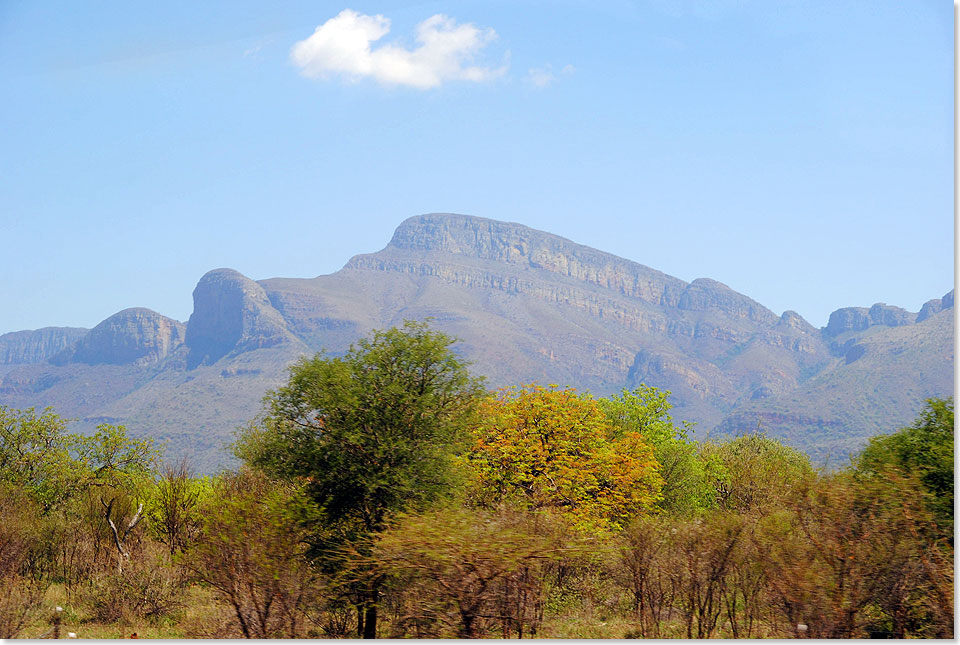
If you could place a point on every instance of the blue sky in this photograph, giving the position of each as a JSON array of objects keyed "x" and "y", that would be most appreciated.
[{"x": 800, "y": 152}]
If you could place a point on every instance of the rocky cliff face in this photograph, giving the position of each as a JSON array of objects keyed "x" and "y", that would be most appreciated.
[
  {"x": 935, "y": 306},
  {"x": 231, "y": 314},
  {"x": 527, "y": 306},
  {"x": 35, "y": 346},
  {"x": 704, "y": 294},
  {"x": 509, "y": 245},
  {"x": 134, "y": 336},
  {"x": 860, "y": 318}
]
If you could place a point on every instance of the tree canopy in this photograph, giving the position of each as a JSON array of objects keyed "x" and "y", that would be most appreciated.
[
  {"x": 37, "y": 454},
  {"x": 556, "y": 449},
  {"x": 373, "y": 432},
  {"x": 924, "y": 450}
]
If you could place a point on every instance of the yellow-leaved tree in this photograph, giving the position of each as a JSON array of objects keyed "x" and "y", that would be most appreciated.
[{"x": 547, "y": 448}]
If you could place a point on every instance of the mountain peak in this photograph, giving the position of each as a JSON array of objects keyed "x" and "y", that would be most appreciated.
[
  {"x": 500, "y": 247},
  {"x": 468, "y": 235},
  {"x": 231, "y": 312},
  {"x": 131, "y": 336}
]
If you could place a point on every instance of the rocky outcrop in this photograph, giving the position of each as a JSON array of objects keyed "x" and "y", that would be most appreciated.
[
  {"x": 687, "y": 379},
  {"x": 528, "y": 306},
  {"x": 231, "y": 314},
  {"x": 38, "y": 345},
  {"x": 889, "y": 316},
  {"x": 515, "y": 245},
  {"x": 134, "y": 336},
  {"x": 847, "y": 319},
  {"x": 860, "y": 318},
  {"x": 935, "y": 306},
  {"x": 704, "y": 294}
]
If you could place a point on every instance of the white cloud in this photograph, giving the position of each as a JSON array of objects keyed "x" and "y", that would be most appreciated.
[
  {"x": 444, "y": 51},
  {"x": 541, "y": 76},
  {"x": 544, "y": 76}
]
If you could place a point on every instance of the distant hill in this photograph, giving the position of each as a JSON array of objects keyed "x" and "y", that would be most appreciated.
[{"x": 527, "y": 306}]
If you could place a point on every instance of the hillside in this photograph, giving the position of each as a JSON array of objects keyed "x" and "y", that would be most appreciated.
[{"x": 527, "y": 306}]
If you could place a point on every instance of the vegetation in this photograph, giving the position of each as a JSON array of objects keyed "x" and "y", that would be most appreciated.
[{"x": 384, "y": 493}]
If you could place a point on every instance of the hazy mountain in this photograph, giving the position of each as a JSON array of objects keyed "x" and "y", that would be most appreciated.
[
  {"x": 528, "y": 306},
  {"x": 25, "y": 347}
]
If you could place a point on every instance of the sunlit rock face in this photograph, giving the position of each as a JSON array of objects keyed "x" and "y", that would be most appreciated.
[
  {"x": 526, "y": 306},
  {"x": 231, "y": 314},
  {"x": 37, "y": 345}
]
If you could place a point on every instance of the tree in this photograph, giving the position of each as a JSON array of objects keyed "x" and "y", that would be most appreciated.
[
  {"x": 856, "y": 555},
  {"x": 468, "y": 570},
  {"x": 251, "y": 551},
  {"x": 373, "y": 433},
  {"x": 555, "y": 449},
  {"x": 174, "y": 506},
  {"x": 925, "y": 450},
  {"x": 37, "y": 454},
  {"x": 755, "y": 473},
  {"x": 688, "y": 475}
]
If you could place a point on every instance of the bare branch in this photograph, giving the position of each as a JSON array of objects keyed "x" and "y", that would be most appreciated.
[
  {"x": 133, "y": 522},
  {"x": 113, "y": 527}
]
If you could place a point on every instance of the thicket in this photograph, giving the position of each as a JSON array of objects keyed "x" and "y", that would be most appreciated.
[{"x": 385, "y": 493}]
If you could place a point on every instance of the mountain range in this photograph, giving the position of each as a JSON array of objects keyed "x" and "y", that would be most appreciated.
[{"x": 526, "y": 306}]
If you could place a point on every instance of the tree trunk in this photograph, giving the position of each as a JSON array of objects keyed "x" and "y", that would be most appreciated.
[{"x": 370, "y": 622}]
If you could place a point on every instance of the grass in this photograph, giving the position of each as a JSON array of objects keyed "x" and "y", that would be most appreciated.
[{"x": 199, "y": 617}]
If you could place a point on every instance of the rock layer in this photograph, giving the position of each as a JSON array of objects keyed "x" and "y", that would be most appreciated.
[
  {"x": 231, "y": 314},
  {"x": 35, "y": 346},
  {"x": 133, "y": 336},
  {"x": 527, "y": 306}
]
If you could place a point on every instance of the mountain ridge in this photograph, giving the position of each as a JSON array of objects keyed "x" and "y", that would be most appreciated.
[{"x": 527, "y": 304}]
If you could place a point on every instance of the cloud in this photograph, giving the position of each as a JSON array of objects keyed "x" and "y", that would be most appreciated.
[
  {"x": 541, "y": 76},
  {"x": 253, "y": 52},
  {"x": 444, "y": 51},
  {"x": 544, "y": 76}
]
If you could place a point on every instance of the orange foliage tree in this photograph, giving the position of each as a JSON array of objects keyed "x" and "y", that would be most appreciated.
[{"x": 547, "y": 448}]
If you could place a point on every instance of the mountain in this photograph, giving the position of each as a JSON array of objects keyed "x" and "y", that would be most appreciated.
[
  {"x": 527, "y": 306},
  {"x": 25, "y": 347}
]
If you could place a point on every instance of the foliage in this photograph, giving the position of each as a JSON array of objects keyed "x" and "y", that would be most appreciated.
[
  {"x": 925, "y": 450},
  {"x": 147, "y": 588},
  {"x": 562, "y": 533},
  {"x": 251, "y": 550},
  {"x": 755, "y": 473},
  {"x": 173, "y": 508},
  {"x": 465, "y": 573},
  {"x": 854, "y": 557},
  {"x": 35, "y": 454},
  {"x": 374, "y": 432},
  {"x": 688, "y": 476},
  {"x": 110, "y": 458},
  {"x": 556, "y": 449},
  {"x": 22, "y": 583},
  {"x": 38, "y": 455}
]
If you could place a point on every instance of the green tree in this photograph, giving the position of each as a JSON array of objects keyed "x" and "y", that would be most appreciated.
[
  {"x": 373, "y": 433},
  {"x": 37, "y": 454},
  {"x": 755, "y": 473},
  {"x": 688, "y": 475},
  {"x": 925, "y": 450}
]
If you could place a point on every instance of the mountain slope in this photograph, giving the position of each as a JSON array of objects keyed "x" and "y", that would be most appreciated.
[{"x": 527, "y": 306}]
